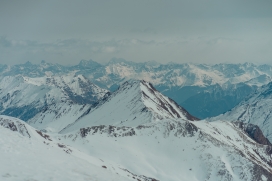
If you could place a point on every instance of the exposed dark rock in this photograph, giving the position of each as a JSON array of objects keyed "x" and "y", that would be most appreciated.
[
  {"x": 45, "y": 136},
  {"x": 14, "y": 126},
  {"x": 61, "y": 146},
  {"x": 259, "y": 172},
  {"x": 9, "y": 125},
  {"x": 254, "y": 132},
  {"x": 110, "y": 130}
]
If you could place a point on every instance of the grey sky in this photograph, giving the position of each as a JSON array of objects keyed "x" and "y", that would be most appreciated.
[{"x": 201, "y": 31}]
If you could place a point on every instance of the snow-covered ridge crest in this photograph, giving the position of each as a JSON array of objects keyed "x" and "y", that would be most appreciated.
[
  {"x": 161, "y": 106},
  {"x": 136, "y": 102},
  {"x": 164, "y": 105}
]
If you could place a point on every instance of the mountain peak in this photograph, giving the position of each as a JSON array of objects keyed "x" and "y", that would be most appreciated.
[
  {"x": 28, "y": 63},
  {"x": 161, "y": 106},
  {"x": 167, "y": 106},
  {"x": 88, "y": 64},
  {"x": 120, "y": 61},
  {"x": 136, "y": 102}
]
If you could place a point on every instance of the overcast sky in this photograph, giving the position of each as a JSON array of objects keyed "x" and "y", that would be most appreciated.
[{"x": 199, "y": 31}]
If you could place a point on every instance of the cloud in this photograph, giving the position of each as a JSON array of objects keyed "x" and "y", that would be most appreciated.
[
  {"x": 146, "y": 31},
  {"x": 4, "y": 42},
  {"x": 67, "y": 31},
  {"x": 202, "y": 49}
]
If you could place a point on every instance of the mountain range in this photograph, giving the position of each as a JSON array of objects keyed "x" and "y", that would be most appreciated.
[
  {"x": 217, "y": 87},
  {"x": 66, "y": 122}
]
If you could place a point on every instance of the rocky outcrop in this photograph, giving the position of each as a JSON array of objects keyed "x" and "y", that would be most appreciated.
[
  {"x": 112, "y": 131},
  {"x": 14, "y": 126},
  {"x": 254, "y": 132}
]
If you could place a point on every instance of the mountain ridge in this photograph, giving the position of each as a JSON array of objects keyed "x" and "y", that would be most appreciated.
[{"x": 140, "y": 103}]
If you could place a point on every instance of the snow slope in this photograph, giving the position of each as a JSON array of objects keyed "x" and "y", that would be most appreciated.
[
  {"x": 134, "y": 103},
  {"x": 28, "y": 154},
  {"x": 175, "y": 150},
  {"x": 257, "y": 109},
  {"x": 168, "y": 149}
]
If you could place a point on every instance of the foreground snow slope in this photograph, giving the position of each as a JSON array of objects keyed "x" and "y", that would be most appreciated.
[
  {"x": 257, "y": 109},
  {"x": 175, "y": 150},
  {"x": 134, "y": 103},
  {"x": 27, "y": 154},
  {"x": 171, "y": 150}
]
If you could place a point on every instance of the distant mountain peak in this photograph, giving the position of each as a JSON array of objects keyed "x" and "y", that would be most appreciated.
[
  {"x": 28, "y": 63},
  {"x": 88, "y": 64},
  {"x": 120, "y": 61},
  {"x": 152, "y": 63}
]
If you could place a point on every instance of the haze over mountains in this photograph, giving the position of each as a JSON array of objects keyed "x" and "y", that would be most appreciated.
[{"x": 115, "y": 121}]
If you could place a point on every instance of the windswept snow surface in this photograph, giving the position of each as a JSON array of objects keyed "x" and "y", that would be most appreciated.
[{"x": 134, "y": 103}]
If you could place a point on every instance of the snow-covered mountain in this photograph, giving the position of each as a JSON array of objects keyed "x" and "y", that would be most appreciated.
[
  {"x": 45, "y": 99},
  {"x": 117, "y": 71},
  {"x": 134, "y": 133},
  {"x": 169, "y": 150},
  {"x": 29, "y": 154},
  {"x": 134, "y": 103},
  {"x": 178, "y": 150},
  {"x": 215, "y": 86},
  {"x": 256, "y": 109}
]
